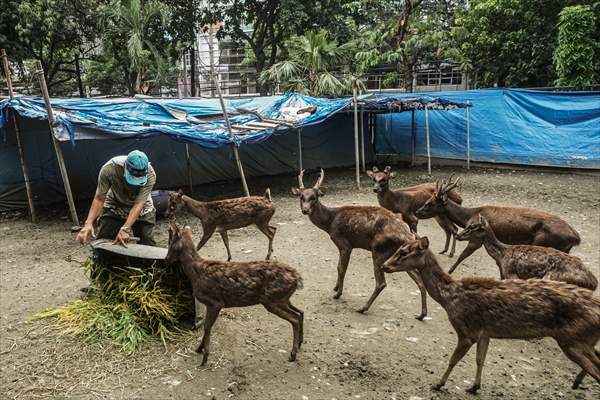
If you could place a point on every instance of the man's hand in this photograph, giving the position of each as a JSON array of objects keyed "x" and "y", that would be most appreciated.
[
  {"x": 122, "y": 237},
  {"x": 85, "y": 233}
]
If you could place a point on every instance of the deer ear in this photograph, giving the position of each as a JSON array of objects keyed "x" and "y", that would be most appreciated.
[
  {"x": 387, "y": 169},
  {"x": 392, "y": 175},
  {"x": 375, "y": 169},
  {"x": 370, "y": 173},
  {"x": 423, "y": 243},
  {"x": 295, "y": 191},
  {"x": 481, "y": 219},
  {"x": 180, "y": 193},
  {"x": 322, "y": 192},
  {"x": 444, "y": 198}
]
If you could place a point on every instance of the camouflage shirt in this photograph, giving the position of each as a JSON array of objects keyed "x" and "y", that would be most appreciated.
[{"x": 121, "y": 196}]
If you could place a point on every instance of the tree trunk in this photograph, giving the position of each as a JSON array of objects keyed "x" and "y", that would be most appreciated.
[
  {"x": 193, "y": 70},
  {"x": 260, "y": 65},
  {"x": 78, "y": 73}
]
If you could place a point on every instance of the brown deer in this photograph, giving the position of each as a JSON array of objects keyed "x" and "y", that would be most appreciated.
[
  {"x": 224, "y": 215},
  {"x": 511, "y": 225},
  {"x": 406, "y": 201},
  {"x": 220, "y": 284},
  {"x": 527, "y": 261},
  {"x": 481, "y": 309},
  {"x": 358, "y": 227}
]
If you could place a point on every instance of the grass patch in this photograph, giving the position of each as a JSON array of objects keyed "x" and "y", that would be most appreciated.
[{"x": 127, "y": 306}]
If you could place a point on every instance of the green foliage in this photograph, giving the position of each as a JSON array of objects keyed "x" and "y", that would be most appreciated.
[
  {"x": 574, "y": 56},
  {"x": 510, "y": 42},
  {"x": 312, "y": 58},
  {"x": 127, "y": 306}
]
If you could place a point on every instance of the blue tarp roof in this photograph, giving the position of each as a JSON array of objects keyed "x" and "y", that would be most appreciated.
[{"x": 181, "y": 119}]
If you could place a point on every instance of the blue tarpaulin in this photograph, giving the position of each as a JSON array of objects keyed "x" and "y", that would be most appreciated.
[
  {"x": 80, "y": 119},
  {"x": 507, "y": 126}
]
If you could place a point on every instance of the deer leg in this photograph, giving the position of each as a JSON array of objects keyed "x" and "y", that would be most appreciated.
[
  {"x": 206, "y": 234},
  {"x": 417, "y": 278},
  {"x": 379, "y": 283},
  {"x": 225, "y": 238},
  {"x": 583, "y": 358},
  {"x": 470, "y": 249},
  {"x": 212, "y": 312},
  {"x": 301, "y": 315},
  {"x": 269, "y": 232},
  {"x": 341, "y": 268},
  {"x": 462, "y": 347},
  {"x": 482, "y": 347},
  {"x": 282, "y": 311}
]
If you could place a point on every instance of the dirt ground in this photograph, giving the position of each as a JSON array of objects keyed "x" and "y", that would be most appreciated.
[{"x": 385, "y": 354}]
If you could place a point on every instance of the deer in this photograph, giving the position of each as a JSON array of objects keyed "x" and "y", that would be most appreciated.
[
  {"x": 406, "y": 201},
  {"x": 226, "y": 284},
  {"x": 375, "y": 229},
  {"x": 511, "y": 225},
  {"x": 527, "y": 261},
  {"x": 224, "y": 215},
  {"x": 481, "y": 309}
]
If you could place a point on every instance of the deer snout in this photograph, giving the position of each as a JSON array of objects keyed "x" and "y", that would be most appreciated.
[
  {"x": 306, "y": 210},
  {"x": 462, "y": 236}
]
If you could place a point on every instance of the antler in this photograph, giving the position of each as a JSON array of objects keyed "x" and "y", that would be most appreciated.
[
  {"x": 300, "y": 182},
  {"x": 447, "y": 186},
  {"x": 320, "y": 180}
]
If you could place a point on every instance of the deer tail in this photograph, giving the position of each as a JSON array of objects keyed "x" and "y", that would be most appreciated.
[{"x": 268, "y": 194}]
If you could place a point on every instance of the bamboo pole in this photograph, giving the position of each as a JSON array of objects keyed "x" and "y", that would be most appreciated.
[
  {"x": 413, "y": 138},
  {"x": 189, "y": 169},
  {"x": 356, "y": 149},
  {"x": 18, "y": 137},
  {"x": 226, "y": 116},
  {"x": 428, "y": 144},
  {"x": 57, "y": 149},
  {"x": 468, "y": 137},
  {"x": 300, "y": 167},
  {"x": 362, "y": 137}
]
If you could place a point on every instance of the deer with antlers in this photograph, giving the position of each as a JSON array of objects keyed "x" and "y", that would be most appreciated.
[
  {"x": 406, "y": 201},
  {"x": 511, "y": 225},
  {"x": 375, "y": 229}
]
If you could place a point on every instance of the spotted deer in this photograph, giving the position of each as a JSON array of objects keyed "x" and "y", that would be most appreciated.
[
  {"x": 511, "y": 225},
  {"x": 220, "y": 284},
  {"x": 375, "y": 229},
  {"x": 481, "y": 309},
  {"x": 407, "y": 201},
  {"x": 224, "y": 215}
]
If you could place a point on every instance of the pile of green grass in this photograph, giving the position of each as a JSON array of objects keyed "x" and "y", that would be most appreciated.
[{"x": 127, "y": 306}]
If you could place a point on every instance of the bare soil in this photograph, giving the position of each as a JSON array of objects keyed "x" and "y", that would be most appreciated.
[{"x": 385, "y": 354}]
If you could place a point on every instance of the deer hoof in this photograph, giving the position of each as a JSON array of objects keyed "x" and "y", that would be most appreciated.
[
  {"x": 337, "y": 295},
  {"x": 443, "y": 251},
  {"x": 437, "y": 387},
  {"x": 473, "y": 389},
  {"x": 204, "y": 359},
  {"x": 292, "y": 357},
  {"x": 362, "y": 310},
  {"x": 420, "y": 317}
]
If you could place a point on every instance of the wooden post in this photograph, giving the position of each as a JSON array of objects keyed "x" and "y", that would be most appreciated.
[
  {"x": 413, "y": 138},
  {"x": 468, "y": 136},
  {"x": 18, "y": 136},
  {"x": 299, "y": 132},
  {"x": 427, "y": 135},
  {"x": 57, "y": 149},
  {"x": 226, "y": 116},
  {"x": 362, "y": 137},
  {"x": 356, "y": 149},
  {"x": 189, "y": 169}
]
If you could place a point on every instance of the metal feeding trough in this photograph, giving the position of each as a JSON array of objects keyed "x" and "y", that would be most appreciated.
[{"x": 105, "y": 252}]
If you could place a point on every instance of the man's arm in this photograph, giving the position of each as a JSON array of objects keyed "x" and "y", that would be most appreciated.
[
  {"x": 124, "y": 233},
  {"x": 88, "y": 228}
]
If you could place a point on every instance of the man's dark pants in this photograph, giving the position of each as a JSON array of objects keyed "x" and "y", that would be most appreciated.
[{"x": 109, "y": 224}]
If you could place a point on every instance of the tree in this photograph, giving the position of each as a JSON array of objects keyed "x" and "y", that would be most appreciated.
[
  {"x": 59, "y": 33},
  {"x": 134, "y": 46},
  {"x": 574, "y": 54},
  {"x": 312, "y": 57},
  {"x": 510, "y": 42}
]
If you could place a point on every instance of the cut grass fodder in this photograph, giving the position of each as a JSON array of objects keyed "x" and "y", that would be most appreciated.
[{"x": 127, "y": 306}]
